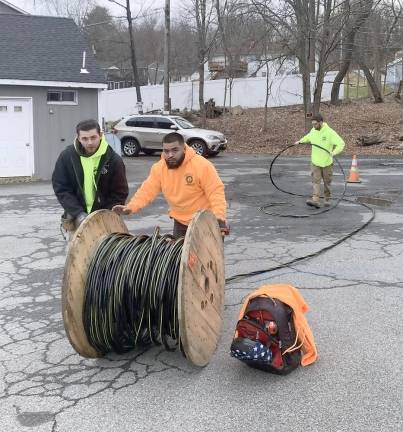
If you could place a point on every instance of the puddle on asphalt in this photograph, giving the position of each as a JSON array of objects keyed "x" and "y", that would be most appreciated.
[
  {"x": 33, "y": 419},
  {"x": 380, "y": 202},
  {"x": 391, "y": 164}
]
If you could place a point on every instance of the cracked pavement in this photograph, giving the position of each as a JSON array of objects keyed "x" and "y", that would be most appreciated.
[{"x": 354, "y": 291}]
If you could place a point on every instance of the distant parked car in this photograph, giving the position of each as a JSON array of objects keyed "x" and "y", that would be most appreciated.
[{"x": 144, "y": 133}]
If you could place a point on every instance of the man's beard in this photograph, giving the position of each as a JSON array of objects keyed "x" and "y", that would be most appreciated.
[{"x": 176, "y": 164}]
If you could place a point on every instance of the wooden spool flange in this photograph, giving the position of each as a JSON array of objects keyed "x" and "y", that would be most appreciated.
[
  {"x": 81, "y": 250},
  {"x": 200, "y": 288}
]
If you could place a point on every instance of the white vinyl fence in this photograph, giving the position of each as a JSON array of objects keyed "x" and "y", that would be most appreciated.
[{"x": 246, "y": 92}]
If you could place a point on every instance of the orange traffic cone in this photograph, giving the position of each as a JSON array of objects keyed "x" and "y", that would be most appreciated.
[{"x": 354, "y": 174}]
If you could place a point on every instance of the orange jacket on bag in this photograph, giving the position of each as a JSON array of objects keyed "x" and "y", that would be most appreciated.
[
  {"x": 291, "y": 296},
  {"x": 193, "y": 186}
]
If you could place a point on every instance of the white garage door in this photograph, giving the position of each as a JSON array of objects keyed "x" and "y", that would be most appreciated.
[{"x": 16, "y": 137}]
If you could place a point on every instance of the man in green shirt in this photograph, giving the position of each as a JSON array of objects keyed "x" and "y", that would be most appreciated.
[
  {"x": 323, "y": 137},
  {"x": 88, "y": 175}
]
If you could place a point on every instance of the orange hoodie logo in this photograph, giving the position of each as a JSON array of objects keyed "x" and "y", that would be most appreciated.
[{"x": 189, "y": 179}]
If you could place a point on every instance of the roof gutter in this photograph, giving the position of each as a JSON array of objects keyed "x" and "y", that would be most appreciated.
[
  {"x": 34, "y": 83},
  {"x": 11, "y": 6}
]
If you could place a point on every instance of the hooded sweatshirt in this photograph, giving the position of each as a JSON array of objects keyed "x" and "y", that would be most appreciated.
[
  {"x": 290, "y": 296},
  {"x": 326, "y": 138},
  {"x": 68, "y": 181},
  {"x": 193, "y": 186},
  {"x": 90, "y": 167}
]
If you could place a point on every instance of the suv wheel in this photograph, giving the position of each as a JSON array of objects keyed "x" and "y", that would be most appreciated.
[
  {"x": 199, "y": 147},
  {"x": 130, "y": 147}
]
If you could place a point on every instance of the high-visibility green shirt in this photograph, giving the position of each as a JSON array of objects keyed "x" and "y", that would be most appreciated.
[
  {"x": 326, "y": 138},
  {"x": 90, "y": 167}
]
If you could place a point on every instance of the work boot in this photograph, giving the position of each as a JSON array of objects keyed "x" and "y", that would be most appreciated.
[
  {"x": 328, "y": 202},
  {"x": 313, "y": 203}
]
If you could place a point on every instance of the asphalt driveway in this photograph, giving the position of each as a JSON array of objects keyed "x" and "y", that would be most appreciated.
[{"x": 354, "y": 291}]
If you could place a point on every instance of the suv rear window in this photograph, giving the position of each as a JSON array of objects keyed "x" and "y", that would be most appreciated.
[{"x": 140, "y": 122}]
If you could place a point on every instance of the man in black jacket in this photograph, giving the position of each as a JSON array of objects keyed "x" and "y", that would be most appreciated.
[{"x": 88, "y": 175}]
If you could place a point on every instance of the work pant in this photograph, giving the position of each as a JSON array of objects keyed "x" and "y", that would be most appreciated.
[
  {"x": 318, "y": 173},
  {"x": 179, "y": 229}
]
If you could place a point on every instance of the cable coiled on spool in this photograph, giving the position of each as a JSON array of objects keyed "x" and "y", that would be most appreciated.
[{"x": 131, "y": 292}]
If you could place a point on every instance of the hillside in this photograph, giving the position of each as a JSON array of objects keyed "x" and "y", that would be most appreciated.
[{"x": 285, "y": 125}]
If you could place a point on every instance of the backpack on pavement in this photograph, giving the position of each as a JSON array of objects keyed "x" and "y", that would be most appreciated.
[{"x": 265, "y": 337}]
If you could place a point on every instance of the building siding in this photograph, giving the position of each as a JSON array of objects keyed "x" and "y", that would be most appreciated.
[{"x": 54, "y": 125}]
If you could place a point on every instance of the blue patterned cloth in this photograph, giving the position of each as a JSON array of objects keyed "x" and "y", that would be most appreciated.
[{"x": 258, "y": 352}]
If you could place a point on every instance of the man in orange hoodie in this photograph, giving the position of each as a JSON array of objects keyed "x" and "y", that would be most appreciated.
[{"x": 189, "y": 183}]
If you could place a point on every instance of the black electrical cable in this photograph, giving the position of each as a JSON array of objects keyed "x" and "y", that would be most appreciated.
[
  {"x": 131, "y": 287},
  {"x": 305, "y": 215},
  {"x": 131, "y": 292},
  {"x": 311, "y": 255},
  {"x": 241, "y": 276}
]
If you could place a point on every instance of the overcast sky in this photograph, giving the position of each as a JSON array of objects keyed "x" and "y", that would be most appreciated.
[{"x": 36, "y": 6}]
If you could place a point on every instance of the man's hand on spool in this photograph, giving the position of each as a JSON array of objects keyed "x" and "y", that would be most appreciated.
[
  {"x": 224, "y": 228},
  {"x": 121, "y": 209}
]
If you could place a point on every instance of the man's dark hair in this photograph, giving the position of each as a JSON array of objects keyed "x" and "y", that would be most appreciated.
[
  {"x": 317, "y": 117},
  {"x": 87, "y": 125},
  {"x": 173, "y": 137}
]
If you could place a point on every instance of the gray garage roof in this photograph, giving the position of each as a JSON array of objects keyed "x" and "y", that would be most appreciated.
[{"x": 43, "y": 48}]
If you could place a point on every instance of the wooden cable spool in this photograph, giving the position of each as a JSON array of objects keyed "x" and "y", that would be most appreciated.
[{"x": 200, "y": 288}]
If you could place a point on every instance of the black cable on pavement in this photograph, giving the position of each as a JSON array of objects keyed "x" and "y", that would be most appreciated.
[
  {"x": 240, "y": 276},
  {"x": 305, "y": 215},
  {"x": 311, "y": 255}
]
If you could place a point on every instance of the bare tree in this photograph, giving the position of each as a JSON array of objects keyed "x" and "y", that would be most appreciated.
[
  {"x": 110, "y": 38},
  {"x": 202, "y": 13},
  {"x": 237, "y": 31},
  {"x": 132, "y": 51},
  {"x": 311, "y": 30},
  {"x": 184, "y": 57},
  {"x": 228, "y": 60},
  {"x": 166, "y": 54},
  {"x": 103, "y": 34},
  {"x": 76, "y": 9},
  {"x": 304, "y": 11},
  {"x": 374, "y": 48},
  {"x": 330, "y": 20},
  {"x": 357, "y": 13},
  {"x": 149, "y": 37},
  {"x": 292, "y": 22}
]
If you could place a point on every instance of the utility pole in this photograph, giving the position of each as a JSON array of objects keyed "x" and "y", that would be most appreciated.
[{"x": 167, "y": 107}]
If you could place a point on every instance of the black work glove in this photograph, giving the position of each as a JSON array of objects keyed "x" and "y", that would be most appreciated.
[
  {"x": 67, "y": 222},
  {"x": 80, "y": 218},
  {"x": 224, "y": 228}
]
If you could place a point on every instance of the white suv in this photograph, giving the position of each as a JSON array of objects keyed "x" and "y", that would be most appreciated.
[{"x": 145, "y": 132}]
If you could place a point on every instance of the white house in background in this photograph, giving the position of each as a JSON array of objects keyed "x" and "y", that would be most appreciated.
[
  {"x": 274, "y": 67},
  {"x": 47, "y": 85},
  {"x": 249, "y": 66}
]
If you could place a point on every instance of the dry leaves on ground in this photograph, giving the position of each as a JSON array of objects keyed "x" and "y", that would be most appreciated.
[{"x": 286, "y": 125}]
